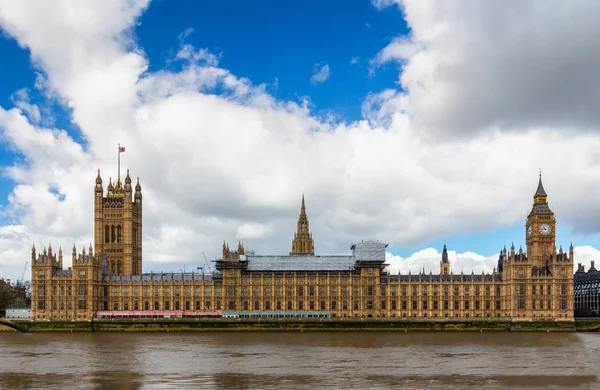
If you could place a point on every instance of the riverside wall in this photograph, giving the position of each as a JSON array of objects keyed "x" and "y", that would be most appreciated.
[{"x": 304, "y": 325}]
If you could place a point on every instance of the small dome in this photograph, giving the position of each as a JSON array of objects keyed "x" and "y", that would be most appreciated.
[
  {"x": 138, "y": 187},
  {"x": 98, "y": 178},
  {"x": 127, "y": 178},
  {"x": 110, "y": 185}
]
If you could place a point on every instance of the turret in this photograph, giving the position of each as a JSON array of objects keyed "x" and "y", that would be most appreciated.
[
  {"x": 33, "y": 253},
  {"x": 571, "y": 252},
  {"x": 128, "y": 184},
  {"x": 74, "y": 253},
  {"x": 110, "y": 188},
  {"x": 444, "y": 263},
  {"x": 60, "y": 258},
  {"x": 138, "y": 190}
]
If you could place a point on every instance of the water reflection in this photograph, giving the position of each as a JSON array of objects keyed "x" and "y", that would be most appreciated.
[{"x": 377, "y": 360}]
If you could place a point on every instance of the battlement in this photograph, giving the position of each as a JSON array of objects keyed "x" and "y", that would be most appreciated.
[
  {"x": 229, "y": 255},
  {"x": 46, "y": 257}
]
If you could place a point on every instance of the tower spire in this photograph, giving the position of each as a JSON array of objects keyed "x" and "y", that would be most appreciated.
[
  {"x": 540, "y": 188},
  {"x": 303, "y": 243}
]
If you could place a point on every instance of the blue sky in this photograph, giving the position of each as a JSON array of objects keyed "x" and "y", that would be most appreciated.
[
  {"x": 432, "y": 150},
  {"x": 294, "y": 37}
]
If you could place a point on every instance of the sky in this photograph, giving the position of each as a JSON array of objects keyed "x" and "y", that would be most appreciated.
[{"x": 415, "y": 122}]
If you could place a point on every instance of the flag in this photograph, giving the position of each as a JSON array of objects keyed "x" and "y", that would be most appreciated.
[{"x": 121, "y": 149}]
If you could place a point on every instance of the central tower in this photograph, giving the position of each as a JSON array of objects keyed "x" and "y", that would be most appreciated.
[
  {"x": 303, "y": 242},
  {"x": 118, "y": 225},
  {"x": 540, "y": 229}
]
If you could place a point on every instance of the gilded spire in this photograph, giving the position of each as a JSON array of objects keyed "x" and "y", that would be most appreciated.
[
  {"x": 98, "y": 178},
  {"x": 303, "y": 243}
]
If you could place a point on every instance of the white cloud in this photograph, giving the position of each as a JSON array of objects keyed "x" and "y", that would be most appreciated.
[
  {"x": 21, "y": 99},
  {"x": 429, "y": 260},
  {"x": 381, "y": 4},
  {"x": 354, "y": 60},
  {"x": 232, "y": 166},
  {"x": 472, "y": 67},
  {"x": 320, "y": 74}
]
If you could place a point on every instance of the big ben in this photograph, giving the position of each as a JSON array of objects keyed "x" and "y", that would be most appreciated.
[{"x": 540, "y": 229}]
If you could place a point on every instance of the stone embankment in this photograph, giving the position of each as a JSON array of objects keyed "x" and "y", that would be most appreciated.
[{"x": 306, "y": 325}]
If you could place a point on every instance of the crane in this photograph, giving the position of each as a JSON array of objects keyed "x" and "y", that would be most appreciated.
[
  {"x": 20, "y": 280},
  {"x": 207, "y": 262}
]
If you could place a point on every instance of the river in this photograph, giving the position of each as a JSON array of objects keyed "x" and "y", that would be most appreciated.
[{"x": 374, "y": 360}]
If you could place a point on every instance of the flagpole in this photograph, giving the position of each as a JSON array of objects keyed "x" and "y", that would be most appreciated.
[{"x": 119, "y": 165}]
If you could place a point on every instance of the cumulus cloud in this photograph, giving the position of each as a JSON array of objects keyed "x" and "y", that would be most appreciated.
[
  {"x": 428, "y": 260},
  {"x": 474, "y": 66},
  {"x": 320, "y": 74},
  {"x": 232, "y": 165}
]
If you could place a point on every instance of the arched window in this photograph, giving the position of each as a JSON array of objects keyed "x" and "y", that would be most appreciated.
[
  {"x": 119, "y": 269},
  {"x": 134, "y": 267},
  {"x": 113, "y": 235},
  {"x": 107, "y": 234},
  {"x": 119, "y": 234},
  {"x": 112, "y": 267}
]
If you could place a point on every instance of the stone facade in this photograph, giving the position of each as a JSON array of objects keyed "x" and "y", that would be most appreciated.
[{"x": 532, "y": 285}]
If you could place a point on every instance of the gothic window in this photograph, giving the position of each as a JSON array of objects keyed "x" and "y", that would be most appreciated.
[
  {"x": 106, "y": 234},
  {"x": 119, "y": 267},
  {"x": 113, "y": 235},
  {"x": 112, "y": 266},
  {"x": 119, "y": 234}
]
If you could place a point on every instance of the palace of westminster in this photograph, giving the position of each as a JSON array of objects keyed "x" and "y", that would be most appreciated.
[{"x": 532, "y": 285}]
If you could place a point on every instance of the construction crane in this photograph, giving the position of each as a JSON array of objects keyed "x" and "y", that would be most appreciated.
[
  {"x": 207, "y": 262},
  {"x": 20, "y": 280}
]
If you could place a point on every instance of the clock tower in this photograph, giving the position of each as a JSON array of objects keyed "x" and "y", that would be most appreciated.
[{"x": 540, "y": 229}]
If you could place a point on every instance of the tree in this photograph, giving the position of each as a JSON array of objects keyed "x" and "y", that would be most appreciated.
[
  {"x": 6, "y": 295},
  {"x": 15, "y": 296}
]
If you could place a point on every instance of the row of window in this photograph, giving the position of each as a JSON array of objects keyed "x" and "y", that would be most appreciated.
[
  {"x": 82, "y": 290},
  {"x": 63, "y": 305}
]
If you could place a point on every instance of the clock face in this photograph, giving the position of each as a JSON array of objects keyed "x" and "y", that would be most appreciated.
[
  {"x": 529, "y": 230},
  {"x": 545, "y": 229}
]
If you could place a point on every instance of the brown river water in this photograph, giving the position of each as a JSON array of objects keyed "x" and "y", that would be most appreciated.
[{"x": 356, "y": 360}]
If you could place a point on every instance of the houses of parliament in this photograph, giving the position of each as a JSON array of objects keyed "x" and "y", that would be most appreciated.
[{"x": 530, "y": 285}]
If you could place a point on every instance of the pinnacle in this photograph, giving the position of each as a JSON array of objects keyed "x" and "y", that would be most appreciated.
[{"x": 540, "y": 188}]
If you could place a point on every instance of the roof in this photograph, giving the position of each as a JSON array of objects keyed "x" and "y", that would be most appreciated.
[
  {"x": 541, "y": 208},
  {"x": 369, "y": 251},
  {"x": 586, "y": 277},
  {"x": 540, "y": 188},
  {"x": 300, "y": 263}
]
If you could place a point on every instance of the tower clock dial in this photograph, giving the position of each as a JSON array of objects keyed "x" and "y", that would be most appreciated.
[
  {"x": 545, "y": 229},
  {"x": 529, "y": 230}
]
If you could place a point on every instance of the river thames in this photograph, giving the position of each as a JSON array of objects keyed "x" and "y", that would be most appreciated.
[{"x": 371, "y": 360}]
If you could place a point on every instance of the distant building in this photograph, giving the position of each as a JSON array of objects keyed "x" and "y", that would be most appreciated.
[
  {"x": 536, "y": 284},
  {"x": 587, "y": 291}
]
